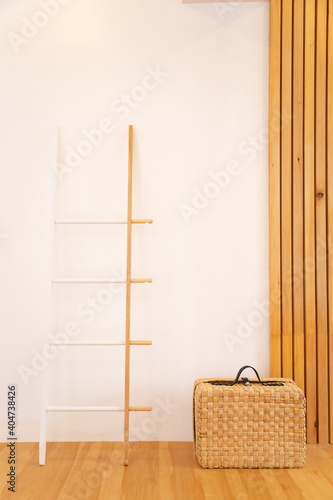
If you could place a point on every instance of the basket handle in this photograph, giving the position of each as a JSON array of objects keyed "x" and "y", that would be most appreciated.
[
  {"x": 240, "y": 372},
  {"x": 246, "y": 380}
]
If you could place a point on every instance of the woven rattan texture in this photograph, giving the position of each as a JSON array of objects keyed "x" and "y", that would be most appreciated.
[{"x": 249, "y": 426}]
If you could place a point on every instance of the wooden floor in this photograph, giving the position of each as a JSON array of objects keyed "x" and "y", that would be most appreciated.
[{"x": 157, "y": 471}]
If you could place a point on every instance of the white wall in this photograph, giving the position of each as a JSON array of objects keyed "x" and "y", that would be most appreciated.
[{"x": 202, "y": 112}]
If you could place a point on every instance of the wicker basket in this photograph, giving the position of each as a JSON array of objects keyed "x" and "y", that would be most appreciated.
[{"x": 249, "y": 426}]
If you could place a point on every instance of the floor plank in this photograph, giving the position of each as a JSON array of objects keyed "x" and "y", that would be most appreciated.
[{"x": 157, "y": 471}]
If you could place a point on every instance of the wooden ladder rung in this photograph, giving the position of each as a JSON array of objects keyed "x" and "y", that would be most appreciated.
[
  {"x": 142, "y": 280},
  {"x": 140, "y": 408},
  {"x": 141, "y": 342},
  {"x": 142, "y": 221}
]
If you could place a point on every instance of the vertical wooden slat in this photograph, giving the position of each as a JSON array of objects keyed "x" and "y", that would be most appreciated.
[
  {"x": 274, "y": 186},
  {"x": 330, "y": 206},
  {"x": 298, "y": 178},
  {"x": 286, "y": 191},
  {"x": 321, "y": 195},
  {"x": 309, "y": 221}
]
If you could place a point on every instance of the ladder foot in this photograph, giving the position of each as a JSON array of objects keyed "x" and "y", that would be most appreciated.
[{"x": 42, "y": 456}]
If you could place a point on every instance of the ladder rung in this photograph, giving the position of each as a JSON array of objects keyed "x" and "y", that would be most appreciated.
[
  {"x": 100, "y": 280},
  {"x": 142, "y": 280},
  {"x": 83, "y": 408},
  {"x": 134, "y": 221},
  {"x": 142, "y": 221},
  {"x": 141, "y": 342},
  {"x": 140, "y": 408},
  {"x": 101, "y": 342},
  {"x": 53, "y": 409}
]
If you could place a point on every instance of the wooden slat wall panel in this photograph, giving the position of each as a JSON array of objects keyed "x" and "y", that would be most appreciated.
[
  {"x": 301, "y": 203},
  {"x": 309, "y": 221},
  {"x": 274, "y": 187}
]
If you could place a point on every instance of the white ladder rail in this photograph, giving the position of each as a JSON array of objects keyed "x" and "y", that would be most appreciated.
[
  {"x": 45, "y": 386},
  {"x": 127, "y": 342}
]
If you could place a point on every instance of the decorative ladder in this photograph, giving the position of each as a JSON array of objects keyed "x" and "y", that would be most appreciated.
[{"x": 46, "y": 408}]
